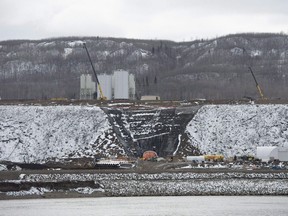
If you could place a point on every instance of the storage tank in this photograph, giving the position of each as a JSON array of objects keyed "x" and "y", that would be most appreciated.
[
  {"x": 106, "y": 85},
  {"x": 87, "y": 87},
  {"x": 132, "y": 88},
  {"x": 121, "y": 84}
]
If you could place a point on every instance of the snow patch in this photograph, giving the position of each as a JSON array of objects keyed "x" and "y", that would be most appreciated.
[
  {"x": 236, "y": 51},
  {"x": 124, "y": 44},
  {"x": 255, "y": 53},
  {"x": 87, "y": 190},
  {"x": 67, "y": 51},
  {"x": 32, "y": 191},
  {"x": 179, "y": 142},
  {"x": 102, "y": 55},
  {"x": 46, "y": 44},
  {"x": 76, "y": 43}
]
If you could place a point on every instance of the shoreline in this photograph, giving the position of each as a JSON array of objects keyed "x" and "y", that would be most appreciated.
[{"x": 117, "y": 183}]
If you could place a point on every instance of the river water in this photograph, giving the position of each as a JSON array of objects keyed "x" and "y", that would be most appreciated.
[{"x": 158, "y": 206}]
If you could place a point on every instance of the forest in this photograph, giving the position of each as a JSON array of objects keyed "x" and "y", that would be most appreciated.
[{"x": 215, "y": 68}]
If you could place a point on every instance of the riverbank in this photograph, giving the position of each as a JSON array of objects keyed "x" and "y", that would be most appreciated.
[{"x": 95, "y": 183}]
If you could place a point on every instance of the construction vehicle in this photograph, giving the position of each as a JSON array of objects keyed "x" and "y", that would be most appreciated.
[
  {"x": 257, "y": 85},
  {"x": 101, "y": 97}
]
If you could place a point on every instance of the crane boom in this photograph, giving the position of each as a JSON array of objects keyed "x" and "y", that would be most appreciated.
[
  {"x": 257, "y": 85},
  {"x": 102, "y": 97}
]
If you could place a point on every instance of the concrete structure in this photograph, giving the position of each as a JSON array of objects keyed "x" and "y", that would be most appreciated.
[
  {"x": 119, "y": 85},
  {"x": 87, "y": 87},
  {"x": 270, "y": 153}
]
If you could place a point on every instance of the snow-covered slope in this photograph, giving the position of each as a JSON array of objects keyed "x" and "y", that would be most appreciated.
[
  {"x": 37, "y": 133},
  {"x": 238, "y": 129},
  {"x": 40, "y": 133}
]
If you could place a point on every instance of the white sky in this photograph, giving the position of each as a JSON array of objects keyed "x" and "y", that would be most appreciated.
[{"x": 178, "y": 20}]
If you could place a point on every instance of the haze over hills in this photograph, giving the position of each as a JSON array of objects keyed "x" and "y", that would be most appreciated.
[{"x": 212, "y": 69}]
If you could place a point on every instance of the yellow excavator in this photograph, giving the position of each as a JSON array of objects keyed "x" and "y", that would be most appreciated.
[
  {"x": 257, "y": 85},
  {"x": 101, "y": 97}
]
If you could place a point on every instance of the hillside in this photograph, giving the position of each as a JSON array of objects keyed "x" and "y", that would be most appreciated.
[
  {"x": 212, "y": 69},
  {"x": 52, "y": 133}
]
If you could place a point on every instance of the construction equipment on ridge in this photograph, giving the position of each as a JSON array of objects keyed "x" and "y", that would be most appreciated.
[
  {"x": 102, "y": 97},
  {"x": 257, "y": 85}
]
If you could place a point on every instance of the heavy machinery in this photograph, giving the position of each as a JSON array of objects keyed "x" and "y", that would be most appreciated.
[
  {"x": 102, "y": 97},
  {"x": 257, "y": 85}
]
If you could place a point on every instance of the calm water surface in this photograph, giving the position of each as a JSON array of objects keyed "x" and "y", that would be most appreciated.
[{"x": 160, "y": 206}]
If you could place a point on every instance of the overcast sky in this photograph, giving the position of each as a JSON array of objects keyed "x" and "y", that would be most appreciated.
[{"x": 178, "y": 20}]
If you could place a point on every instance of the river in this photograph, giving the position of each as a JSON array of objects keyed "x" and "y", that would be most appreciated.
[{"x": 158, "y": 206}]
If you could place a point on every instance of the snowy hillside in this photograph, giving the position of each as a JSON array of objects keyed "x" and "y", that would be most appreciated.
[
  {"x": 238, "y": 129},
  {"x": 41, "y": 133},
  {"x": 37, "y": 133},
  {"x": 212, "y": 69}
]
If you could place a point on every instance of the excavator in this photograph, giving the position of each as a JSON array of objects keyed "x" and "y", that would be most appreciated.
[
  {"x": 257, "y": 85},
  {"x": 101, "y": 97}
]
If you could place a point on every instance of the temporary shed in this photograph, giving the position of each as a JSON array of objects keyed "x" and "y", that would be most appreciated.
[
  {"x": 283, "y": 153},
  {"x": 266, "y": 153}
]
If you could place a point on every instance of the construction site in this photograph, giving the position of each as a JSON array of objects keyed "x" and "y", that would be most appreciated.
[{"x": 110, "y": 132}]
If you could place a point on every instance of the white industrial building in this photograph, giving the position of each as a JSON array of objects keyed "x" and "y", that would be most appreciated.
[
  {"x": 119, "y": 85},
  {"x": 87, "y": 87},
  {"x": 270, "y": 153}
]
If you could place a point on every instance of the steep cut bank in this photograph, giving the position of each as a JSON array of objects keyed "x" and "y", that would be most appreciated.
[{"x": 140, "y": 129}]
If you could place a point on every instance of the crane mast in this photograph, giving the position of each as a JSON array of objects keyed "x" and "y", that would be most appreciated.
[
  {"x": 257, "y": 85},
  {"x": 102, "y": 97}
]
